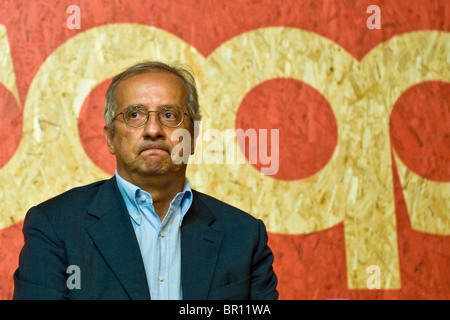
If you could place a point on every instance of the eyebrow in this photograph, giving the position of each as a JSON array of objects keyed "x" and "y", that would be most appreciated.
[{"x": 160, "y": 107}]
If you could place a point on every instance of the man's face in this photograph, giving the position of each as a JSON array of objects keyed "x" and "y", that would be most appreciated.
[{"x": 146, "y": 151}]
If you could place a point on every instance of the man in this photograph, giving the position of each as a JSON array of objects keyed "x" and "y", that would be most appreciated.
[{"x": 144, "y": 233}]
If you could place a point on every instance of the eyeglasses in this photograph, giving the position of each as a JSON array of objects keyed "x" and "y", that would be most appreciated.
[{"x": 168, "y": 116}]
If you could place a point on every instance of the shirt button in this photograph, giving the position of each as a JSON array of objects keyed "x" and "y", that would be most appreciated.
[
  {"x": 161, "y": 234},
  {"x": 143, "y": 198},
  {"x": 161, "y": 278}
]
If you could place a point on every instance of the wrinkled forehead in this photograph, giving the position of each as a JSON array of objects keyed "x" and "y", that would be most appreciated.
[{"x": 157, "y": 86}]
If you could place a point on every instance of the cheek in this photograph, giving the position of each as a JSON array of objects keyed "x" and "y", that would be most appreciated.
[
  {"x": 125, "y": 144},
  {"x": 189, "y": 141}
]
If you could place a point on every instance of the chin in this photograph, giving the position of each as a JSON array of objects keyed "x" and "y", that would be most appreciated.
[{"x": 162, "y": 169}]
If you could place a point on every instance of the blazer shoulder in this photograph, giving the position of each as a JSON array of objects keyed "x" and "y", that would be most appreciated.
[
  {"x": 74, "y": 199},
  {"x": 224, "y": 211}
]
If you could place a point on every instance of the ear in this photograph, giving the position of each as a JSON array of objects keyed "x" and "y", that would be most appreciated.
[
  {"x": 107, "y": 133},
  {"x": 194, "y": 135}
]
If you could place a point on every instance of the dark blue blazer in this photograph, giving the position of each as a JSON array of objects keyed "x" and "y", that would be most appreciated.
[{"x": 224, "y": 252}]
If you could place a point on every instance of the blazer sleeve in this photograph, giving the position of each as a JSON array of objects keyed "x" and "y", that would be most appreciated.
[
  {"x": 41, "y": 274},
  {"x": 263, "y": 278}
]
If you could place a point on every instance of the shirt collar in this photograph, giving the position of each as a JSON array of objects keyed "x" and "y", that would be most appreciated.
[{"x": 130, "y": 193}]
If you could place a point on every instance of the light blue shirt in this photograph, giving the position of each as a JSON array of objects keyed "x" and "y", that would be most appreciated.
[{"x": 159, "y": 241}]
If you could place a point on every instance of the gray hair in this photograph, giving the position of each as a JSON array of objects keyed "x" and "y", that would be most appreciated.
[{"x": 146, "y": 67}]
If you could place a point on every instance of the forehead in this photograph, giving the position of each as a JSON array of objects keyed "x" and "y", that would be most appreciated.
[{"x": 155, "y": 86}]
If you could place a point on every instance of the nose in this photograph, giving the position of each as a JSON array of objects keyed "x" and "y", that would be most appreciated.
[{"x": 153, "y": 129}]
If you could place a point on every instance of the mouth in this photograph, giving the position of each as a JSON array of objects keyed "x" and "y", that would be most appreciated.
[{"x": 153, "y": 150}]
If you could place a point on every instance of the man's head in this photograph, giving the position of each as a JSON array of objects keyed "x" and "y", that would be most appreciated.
[
  {"x": 156, "y": 94},
  {"x": 147, "y": 67}
]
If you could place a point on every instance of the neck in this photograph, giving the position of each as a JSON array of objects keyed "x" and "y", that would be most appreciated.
[{"x": 162, "y": 188}]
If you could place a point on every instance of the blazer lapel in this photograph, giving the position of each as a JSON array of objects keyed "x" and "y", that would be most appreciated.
[
  {"x": 114, "y": 237},
  {"x": 200, "y": 246}
]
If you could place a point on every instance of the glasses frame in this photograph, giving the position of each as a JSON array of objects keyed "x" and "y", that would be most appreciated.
[{"x": 140, "y": 107}]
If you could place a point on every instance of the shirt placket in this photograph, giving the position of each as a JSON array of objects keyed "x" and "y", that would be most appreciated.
[
  {"x": 152, "y": 222},
  {"x": 163, "y": 263},
  {"x": 164, "y": 254}
]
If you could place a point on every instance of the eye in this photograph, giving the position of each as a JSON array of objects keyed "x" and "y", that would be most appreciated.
[
  {"x": 135, "y": 113},
  {"x": 170, "y": 114}
]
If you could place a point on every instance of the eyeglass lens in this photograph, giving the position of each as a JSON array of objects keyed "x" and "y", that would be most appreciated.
[{"x": 137, "y": 116}]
